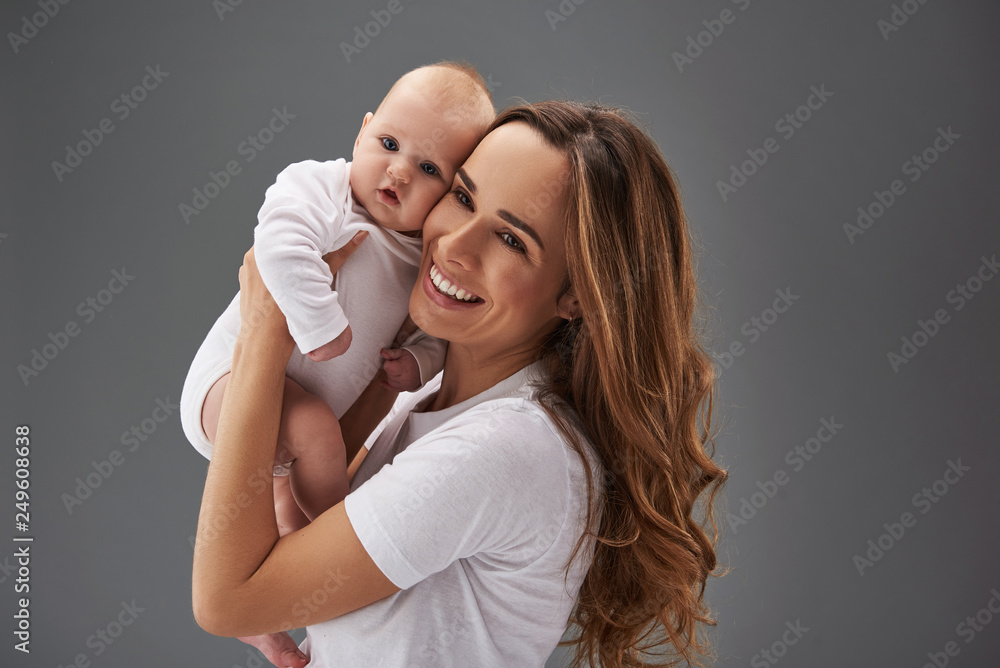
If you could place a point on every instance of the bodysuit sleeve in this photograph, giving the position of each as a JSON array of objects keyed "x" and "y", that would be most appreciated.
[
  {"x": 429, "y": 352},
  {"x": 301, "y": 220}
]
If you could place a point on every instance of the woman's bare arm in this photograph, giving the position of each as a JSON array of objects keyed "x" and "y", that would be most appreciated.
[
  {"x": 362, "y": 417},
  {"x": 246, "y": 580}
]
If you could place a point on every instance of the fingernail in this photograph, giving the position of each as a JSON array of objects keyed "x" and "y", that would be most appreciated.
[{"x": 361, "y": 236}]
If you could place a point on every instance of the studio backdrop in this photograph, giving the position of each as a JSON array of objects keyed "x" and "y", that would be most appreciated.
[{"x": 838, "y": 165}]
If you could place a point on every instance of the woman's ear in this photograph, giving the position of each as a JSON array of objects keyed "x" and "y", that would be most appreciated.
[
  {"x": 568, "y": 306},
  {"x": 364, "y": 124}
]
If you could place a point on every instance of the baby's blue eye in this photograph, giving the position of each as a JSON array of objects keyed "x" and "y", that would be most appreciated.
[
  {"x": 429, "y": 169},
  {"x": 390, "y": 144}
]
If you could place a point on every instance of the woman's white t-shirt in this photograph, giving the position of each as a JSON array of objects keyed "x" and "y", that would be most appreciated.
[{"x": 473, "y": 511}]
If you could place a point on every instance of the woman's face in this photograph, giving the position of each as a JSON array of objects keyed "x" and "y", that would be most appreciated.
[{"x": 495, "y": 243}]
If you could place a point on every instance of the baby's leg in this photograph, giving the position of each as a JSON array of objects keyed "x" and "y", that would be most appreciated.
[
  {"x": 309, "y": 436},
  {"x": 287, "y": 513},
  {"x": 310, "y": 432}
]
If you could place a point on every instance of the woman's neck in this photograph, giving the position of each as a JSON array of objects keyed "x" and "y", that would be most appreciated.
[{"x": 466, "y": 373}]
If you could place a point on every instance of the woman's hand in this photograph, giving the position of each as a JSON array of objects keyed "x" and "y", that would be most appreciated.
[
  {"x": 336, "y": 259},
  {"x": 261, "y": 321}
]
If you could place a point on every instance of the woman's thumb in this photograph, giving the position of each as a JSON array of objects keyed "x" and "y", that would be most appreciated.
[{"x": 336, "y": 259}]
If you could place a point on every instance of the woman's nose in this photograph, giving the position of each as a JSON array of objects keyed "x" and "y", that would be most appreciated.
[{"x": 462, "y": 245}]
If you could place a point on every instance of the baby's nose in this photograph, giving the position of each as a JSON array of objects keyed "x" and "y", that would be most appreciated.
[{"x": 399, "y": 171}]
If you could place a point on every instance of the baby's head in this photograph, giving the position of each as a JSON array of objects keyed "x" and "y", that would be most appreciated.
[{"x": 407, "y": 152}]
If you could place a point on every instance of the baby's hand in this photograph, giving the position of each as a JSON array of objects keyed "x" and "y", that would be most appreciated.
[
  {"x": 401, "y": 370},
  {"x": 334, "y": 348}
]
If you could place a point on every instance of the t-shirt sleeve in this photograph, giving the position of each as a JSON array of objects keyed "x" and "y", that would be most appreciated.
[
  {"x": 476, "y": 485},
  {"x": 298, "y": 223}
]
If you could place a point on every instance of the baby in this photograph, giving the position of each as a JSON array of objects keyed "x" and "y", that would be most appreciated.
[{"x": 404, "y": 160}]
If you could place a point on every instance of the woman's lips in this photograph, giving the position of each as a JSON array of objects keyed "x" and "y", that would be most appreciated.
[
  {"x": 444, "y": 300},
  {"x": 387, "y": 197},
  {"x": 449, "y": 286}
]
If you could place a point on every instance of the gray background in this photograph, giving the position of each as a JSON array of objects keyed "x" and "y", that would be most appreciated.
[{"x": 825, "y": 357}]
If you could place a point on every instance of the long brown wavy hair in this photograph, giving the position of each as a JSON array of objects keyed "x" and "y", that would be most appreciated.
[{"x": 637, "y": 377}]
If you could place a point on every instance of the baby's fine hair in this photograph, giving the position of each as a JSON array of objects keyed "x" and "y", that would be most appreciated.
[{"x": 456, "y": 85}]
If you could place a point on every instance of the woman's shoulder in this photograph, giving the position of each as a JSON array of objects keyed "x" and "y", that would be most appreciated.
[
  {"x": 514, "y": 424},
  {"x": 523, "y": 431},
  {"x": 516, "y": 443}
]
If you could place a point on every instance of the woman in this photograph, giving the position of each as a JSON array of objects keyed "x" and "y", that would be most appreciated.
[{"x": 553, "y": 468}]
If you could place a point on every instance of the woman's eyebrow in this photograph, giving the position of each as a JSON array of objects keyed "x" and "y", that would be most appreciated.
[
  {"x": 468, "y": 182},
  {"x": 503, "y": 213},
  {"x": 521, "y": 225}
]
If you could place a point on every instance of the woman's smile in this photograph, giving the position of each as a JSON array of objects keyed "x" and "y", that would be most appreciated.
[
  {"x": 445, "y": 292},
  {"x": 448, "y": 286}
]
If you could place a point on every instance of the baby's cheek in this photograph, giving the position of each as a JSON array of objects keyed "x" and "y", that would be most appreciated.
[{"x": 426, "y": 201}]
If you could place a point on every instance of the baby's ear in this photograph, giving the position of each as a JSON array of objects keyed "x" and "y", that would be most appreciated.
[{"x": 364, "y": 124}]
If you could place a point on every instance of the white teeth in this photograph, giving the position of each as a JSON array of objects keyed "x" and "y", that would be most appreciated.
[{"x": 445, "y": 287}]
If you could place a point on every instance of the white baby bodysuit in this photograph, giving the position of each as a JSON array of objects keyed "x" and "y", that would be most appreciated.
[{"x": 309, "y": 211}]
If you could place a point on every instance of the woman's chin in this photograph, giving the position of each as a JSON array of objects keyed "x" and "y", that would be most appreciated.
[{"x": 422, "y": 314}]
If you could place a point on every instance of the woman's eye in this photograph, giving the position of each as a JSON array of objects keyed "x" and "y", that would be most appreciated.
[
  {"x": 390, "y": 144},
  {"x": 429, "y": 169},
  {"x": 462, "y": 198},
  {"x": 512, "y": 241}
]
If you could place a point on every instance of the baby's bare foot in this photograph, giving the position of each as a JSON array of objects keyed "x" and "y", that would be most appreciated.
[{"x": 279, "y": 649}]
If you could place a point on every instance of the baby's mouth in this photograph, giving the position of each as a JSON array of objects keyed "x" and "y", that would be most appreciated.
[{"x": 388, "y": 196}]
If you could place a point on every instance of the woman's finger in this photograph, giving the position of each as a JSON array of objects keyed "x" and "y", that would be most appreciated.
[
  {"x": 336, "y": 259},
  {"x": 259, "y": 314}
]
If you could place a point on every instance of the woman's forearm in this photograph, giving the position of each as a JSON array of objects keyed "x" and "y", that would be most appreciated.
[
  {"x": 236, "y": 526},
  {"x": 365, "y": 414}
]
